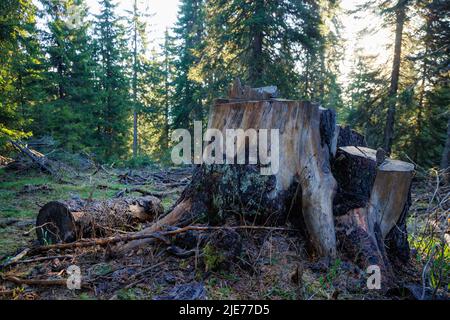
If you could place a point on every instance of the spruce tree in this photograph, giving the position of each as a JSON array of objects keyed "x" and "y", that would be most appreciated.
[
  {"x": 112, "y": 113},
  {"x": 188, "y": 94},
  {"x": 20, "y": 69},
  {"x": 259, "y": 41},
  {"x": 69, "y": 76}
]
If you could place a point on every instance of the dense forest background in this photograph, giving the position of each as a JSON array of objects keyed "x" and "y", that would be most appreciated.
[{"x": 95, "y": 86}]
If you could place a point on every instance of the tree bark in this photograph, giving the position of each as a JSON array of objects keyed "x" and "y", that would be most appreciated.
[
  {"x": 371, "y": 201},
  {"x": 446, "y": 151},
  {"x": 392, "y": 98},
  {"x": 135, "y": 71},
  {"x": 256, "y": 63}
]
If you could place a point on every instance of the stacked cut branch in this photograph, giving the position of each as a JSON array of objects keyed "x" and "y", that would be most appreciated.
[{"x": 67, "y": 221}]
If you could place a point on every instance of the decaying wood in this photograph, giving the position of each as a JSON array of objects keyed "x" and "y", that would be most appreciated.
[
  {"x": 382, "y": 189},
  {"x": 304, "y": 162},
  {"x": 370, "y": 201},
  {"x": 16, "y": 258},
  {"x": 349, "y": 137},
  {"x": 34, "y": 156},
  {"x": 371, "y": 197},
  {"x": 74, "y": 219}
]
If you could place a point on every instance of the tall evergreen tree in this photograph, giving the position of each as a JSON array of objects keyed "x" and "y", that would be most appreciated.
[
  {"x": 320, "y": 64},
  {"x": 20, "y": 68},
  {"x": 158, "y": 99},
  {"x": 69, "y": 78},
  {"x": 189, "y": 35},
  {"x": 113, "y": 110},
  {"x": 259, "y": 41},
  {"x": 367, "y": 91},
  {"x": 399, "y": 9},
  {"x": 137, "y": 29}
]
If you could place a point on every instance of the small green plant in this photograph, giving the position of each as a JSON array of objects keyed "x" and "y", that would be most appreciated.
[
  {"x": 434, "y": 254},
  {"x": 102, "y": 269},
  {"x": 327, "y": 281},
  {"x": 85, "y": 296},
  {"x": 212, "y": 258},
  {"x": 224, "y": 292},
  {"x": 276, "y": 291},
  {"x": 126, "y": 294}
]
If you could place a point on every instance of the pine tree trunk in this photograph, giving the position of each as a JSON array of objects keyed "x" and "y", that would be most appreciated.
[
  {"x": 446, "y": 151},
  {"x": 256, "y": 63},
  {"x": 392, "y": 99},
  {"x": 135, "y": 114}
]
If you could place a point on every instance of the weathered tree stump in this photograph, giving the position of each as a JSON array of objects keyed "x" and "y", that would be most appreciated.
[
  {"x": 327, "y": 183},
  {"x": 304, "y": 177},
  {"x": 67, "y": 221}
]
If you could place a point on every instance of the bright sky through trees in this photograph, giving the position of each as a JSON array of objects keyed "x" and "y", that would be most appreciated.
[{"x": 164, "y": 15}]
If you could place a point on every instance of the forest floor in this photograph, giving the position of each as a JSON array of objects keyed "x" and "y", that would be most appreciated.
[{"x": 272, "y": 264}]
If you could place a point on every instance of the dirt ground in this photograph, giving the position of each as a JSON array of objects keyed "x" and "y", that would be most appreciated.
[{"x": 254, "y": 264}]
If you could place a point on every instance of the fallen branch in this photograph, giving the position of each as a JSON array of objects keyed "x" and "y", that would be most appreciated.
[
  {"x": 39, "y": 161},
  {"x": 39, "y": 259},
  {"x": 158, "y": 194},
  {"x": 37, "y": 282},
  {"x": 91, "y": 242},
  {"x": 16, "y": 258},
  {"x": 8, "y": 222},
  {"x": 131, "y": 237}
]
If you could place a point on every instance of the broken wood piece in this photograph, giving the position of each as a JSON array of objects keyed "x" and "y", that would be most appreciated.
[
  {"x": 40, "y": 259},
  {"x": 349, "y": 137},
  {"x": 16, "y": 258},
  {"x": 385, "y": 187},
  {"x": 36, "y": 282},
  {"x": 371, "y": 200}
]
